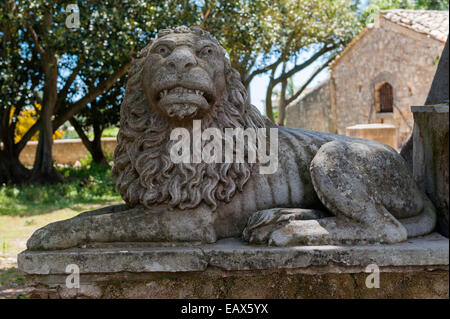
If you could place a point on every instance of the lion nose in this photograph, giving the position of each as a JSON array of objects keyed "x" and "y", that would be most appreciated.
[{"x": 181, "y": 59}]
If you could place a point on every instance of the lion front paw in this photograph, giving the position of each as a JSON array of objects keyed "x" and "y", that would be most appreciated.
[
  {"x": 53, "y": 236},
  {"x": 262, "y": 224}
]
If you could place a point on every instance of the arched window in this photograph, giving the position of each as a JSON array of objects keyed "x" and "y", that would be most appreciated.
[{"x": 384, "y": 98}]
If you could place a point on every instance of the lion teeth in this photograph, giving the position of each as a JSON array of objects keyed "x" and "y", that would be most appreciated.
[{"x": 180, "y": 90}]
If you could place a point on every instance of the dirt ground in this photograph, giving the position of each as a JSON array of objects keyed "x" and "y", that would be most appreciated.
[{"x": 14, "y": 233}]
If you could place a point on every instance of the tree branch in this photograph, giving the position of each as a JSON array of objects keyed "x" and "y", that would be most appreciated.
[
  {"x": 269, "y": 108},
  {"x": 318, "y": 70},
  {"x": 77, "y": 126},
  {"x": 34, "y": 36},
  {"x": 274, "y": 65},
  {"x": 28, "y": 135},
  {"x": 91, "y": 95},
  {"x": 263, "y": 70},
  {"x": 303, "y": 65},
  {"x": 63, "y": 93},
  {"x": 282, "y": 104}
]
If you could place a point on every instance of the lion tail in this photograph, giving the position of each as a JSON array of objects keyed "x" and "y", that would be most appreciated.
[{"x": 422, "y": 224}]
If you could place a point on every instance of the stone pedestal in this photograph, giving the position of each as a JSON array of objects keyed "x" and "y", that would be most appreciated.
[
  {"x": 384, "y": 133},
  {"x": 431, "y": 157},
  {"x": 230, "y": 268}
]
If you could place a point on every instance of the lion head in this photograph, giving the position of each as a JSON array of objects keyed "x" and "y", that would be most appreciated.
[{"x": 180, "y": 76}]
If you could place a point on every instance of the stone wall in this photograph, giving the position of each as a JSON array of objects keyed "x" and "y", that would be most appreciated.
[
  {"x": 400, "y": 283},
  {"x": 313, "y": 110},
  {"x": 389, "y": 53},
  {"x": 65, "y": 151},
  {"x": 229, "y": 268},
  {"x": 384, "y": 133}
]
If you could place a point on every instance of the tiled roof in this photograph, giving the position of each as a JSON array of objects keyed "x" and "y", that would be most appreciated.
[
  {"x": 432, "y": 23},
  {"x": 429, "y": 22}
]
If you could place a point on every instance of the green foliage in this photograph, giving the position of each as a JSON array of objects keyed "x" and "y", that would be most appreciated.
[
  {"x": 110, "y": 132},
  {"x": 431, "y": 4},
  {"x": 371, "y": 11},
  {"x": 89, "y": 184},
  {"x": 12, "y": 279}
]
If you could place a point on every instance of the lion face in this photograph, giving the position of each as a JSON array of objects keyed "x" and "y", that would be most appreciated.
[{"x": 183, "y": 76}]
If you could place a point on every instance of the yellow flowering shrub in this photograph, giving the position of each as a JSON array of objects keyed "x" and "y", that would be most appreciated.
[{"x": 26, "y": 119}]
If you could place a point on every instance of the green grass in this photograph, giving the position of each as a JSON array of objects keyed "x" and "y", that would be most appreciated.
[
  {"x": 14, "y": 282},
  {"x": 11, "y": 277},
  {"x": 87, "y": 185},
  {"x": 110, "y": 132},
  {"x": 15, "y": 230},
  {"x": 25, "y": 208},
  {"x": 14, "y": 233}
]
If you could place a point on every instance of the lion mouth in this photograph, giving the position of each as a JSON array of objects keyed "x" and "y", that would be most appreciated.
[
  {"x": 181, "y": 94},
  {"x": 179, "y": 90}
]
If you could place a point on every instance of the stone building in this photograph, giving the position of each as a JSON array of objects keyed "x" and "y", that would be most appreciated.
[
  {"x": 312, "y": 111},
  {"x": 385, "y": 70}
]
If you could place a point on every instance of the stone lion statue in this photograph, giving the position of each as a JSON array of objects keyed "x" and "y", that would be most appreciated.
[{"x": 328, "y": 189}]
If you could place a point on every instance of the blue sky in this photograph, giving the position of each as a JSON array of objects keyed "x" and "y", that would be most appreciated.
[{"x": 259, "y": 84}]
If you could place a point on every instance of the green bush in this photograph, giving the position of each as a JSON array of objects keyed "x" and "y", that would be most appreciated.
[{"x": 89, "y": 184}]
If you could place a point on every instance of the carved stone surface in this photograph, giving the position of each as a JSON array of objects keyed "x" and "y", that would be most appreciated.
[
  {"x": 231, "y": 254},
  {"x": 396, "y": 283},
  {"x": 327, "y": 189},
  {"x": 231, "y": 268},
  {"x": 431, "y": 157}
]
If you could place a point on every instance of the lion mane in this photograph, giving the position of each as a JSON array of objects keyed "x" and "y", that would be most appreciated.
[{"x": 143, "y": 170}]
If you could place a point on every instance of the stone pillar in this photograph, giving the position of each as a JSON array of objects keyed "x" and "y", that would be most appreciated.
[
  {"x": 431, "y": 159},
  {"x": 439, "y": 92}
]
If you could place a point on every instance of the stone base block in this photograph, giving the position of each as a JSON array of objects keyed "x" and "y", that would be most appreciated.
[{"x": 232, "y": 269}]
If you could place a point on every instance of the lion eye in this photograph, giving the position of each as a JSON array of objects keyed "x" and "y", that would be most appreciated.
[
  {"x": 162, "y": 50},
  {"x": 206, "y": 51}
]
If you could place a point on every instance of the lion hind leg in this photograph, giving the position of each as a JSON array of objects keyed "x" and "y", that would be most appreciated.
[{"x": 342, "y": 175}]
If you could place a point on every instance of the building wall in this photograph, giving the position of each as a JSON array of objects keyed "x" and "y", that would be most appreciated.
[
  {"x": 313, "y": 110},
  {"x": 65, "y": 151},
  {"x": 387, "y": 53}
]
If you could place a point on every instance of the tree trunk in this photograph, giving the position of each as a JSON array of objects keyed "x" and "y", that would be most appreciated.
[
  {"x": 95, "y": 146},
  {"x": 269, "y": 109},
  {"x": 97, "y": 152},
  {"x": 282, "y": 105},
  {"x": 11, "y": 169},
  {"x": 43, "y": 170}
]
